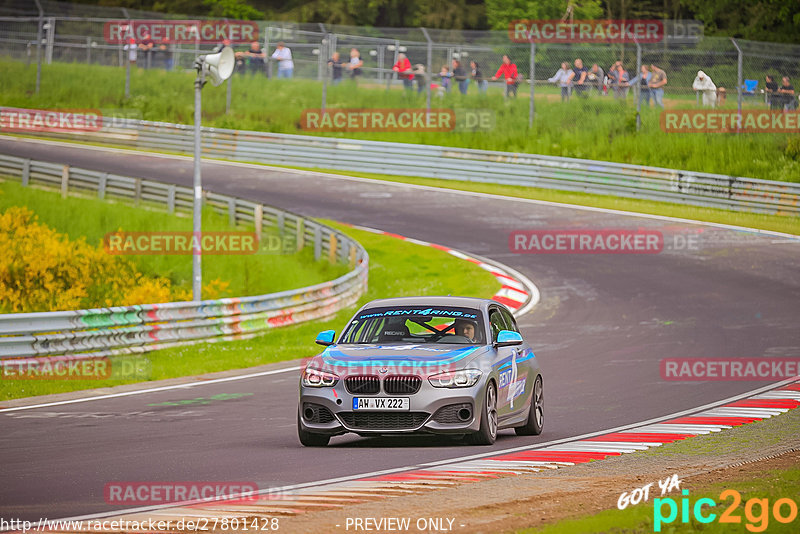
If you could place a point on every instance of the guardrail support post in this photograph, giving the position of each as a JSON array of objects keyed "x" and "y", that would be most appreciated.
[
  {"x": 65, "y": 181},
  {"x": 171, "y": 199},
  {"x": 317, "y": 243},
  {"x": 301, "y": 234},
  {"x": 137, "y": 196},
  {"x": 258, "y": 220},
  {"x": 101, "y": 187},
  {"x": 334, "y": 245},
  {"x": 351, "y": 254},
  {"x": 281, "y": 223},
  {"x": 26, "y": 172},
  {"x": 232, "y": 212}
]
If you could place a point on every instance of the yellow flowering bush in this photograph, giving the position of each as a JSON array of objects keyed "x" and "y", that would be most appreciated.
[{"x": 42, "y": 270}]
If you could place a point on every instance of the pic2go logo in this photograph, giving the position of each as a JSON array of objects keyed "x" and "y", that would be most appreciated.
[{"x": 756, "y": 511}]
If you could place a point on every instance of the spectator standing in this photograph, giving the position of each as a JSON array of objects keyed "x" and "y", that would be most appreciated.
[
  {"x": 284, "y": 56},
  {"x": 508, "y": 71},
  {"x": 460, "y": 76},
  {"x": 658, "y": 79},
  {"x": 771, "y": 88},
  {"x": 644, "y": 85},
  {"x": 620, "y": 81},
  {"x": 419, "y": 75},
  {"x": 355, "y": 64},
  {"x": 786, "y": 91},
  {"x": 133, "y": 50},
  {"x": 596, "y": 78},
  {"x": 336, "y": 68},
  {"x": 256, "y": 58},
  {"x": 445, "y": 76},
  {"x": 146, "y": 46},
  {"x": 166, "y": 55},
  {"x": 404, "y": 71},
  {"x": 578, "y": 78},
  {"x": 561, "y": 77},
  {"x": 477, "y": 77},
  {"x": 705, "y": 85}
]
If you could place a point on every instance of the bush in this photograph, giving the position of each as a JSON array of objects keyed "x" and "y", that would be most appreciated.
[{"x": 42, "y": 270}]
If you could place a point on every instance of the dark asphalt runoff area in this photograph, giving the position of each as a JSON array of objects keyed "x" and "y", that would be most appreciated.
[{"x": 603, "y": 324}]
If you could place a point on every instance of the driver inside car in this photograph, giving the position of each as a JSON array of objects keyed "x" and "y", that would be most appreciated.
[{"x": 466, "y": 329}]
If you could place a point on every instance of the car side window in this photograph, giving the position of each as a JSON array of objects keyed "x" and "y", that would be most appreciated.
[
  {"x": 510, "y": 322},
  {"x": 497, "y": 323}
]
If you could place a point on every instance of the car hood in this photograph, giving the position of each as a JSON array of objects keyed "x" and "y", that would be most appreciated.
[{"x": 404, "y": 356}]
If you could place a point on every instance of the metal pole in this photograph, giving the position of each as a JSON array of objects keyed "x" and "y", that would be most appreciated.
[
  {"x": 39, "y": 46},
  {"x": 266, "y": 52},
  {"x": 128, "y": 38},
  {"x": 739, "y": 78},
  {"x": 228, "y": 97},
  {"x": 324, "y": 50},
  {"x": 428, "y": 74},
  {"x": 533, "y": 77},
  {"x": 638, "y": 89},
  {"x": 197, "y": 275}
]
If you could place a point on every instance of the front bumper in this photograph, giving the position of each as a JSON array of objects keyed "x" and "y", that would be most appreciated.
[{"x": 328, "y": 410}]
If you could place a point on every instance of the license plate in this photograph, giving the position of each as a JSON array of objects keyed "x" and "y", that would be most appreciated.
[{"x": 381, "y": 403}]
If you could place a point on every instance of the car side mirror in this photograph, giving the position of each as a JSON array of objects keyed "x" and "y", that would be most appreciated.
[
  {"x": 326, "y": 338},
  {"x": 507, "y": 338}
]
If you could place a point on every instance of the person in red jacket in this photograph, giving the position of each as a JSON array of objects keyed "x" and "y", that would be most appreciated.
[
  {"x": 508, "y": 71},
  {"x": 404, "y": 71}
]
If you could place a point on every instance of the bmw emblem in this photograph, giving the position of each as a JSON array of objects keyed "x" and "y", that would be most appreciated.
[{"x": 383, "y": 370}]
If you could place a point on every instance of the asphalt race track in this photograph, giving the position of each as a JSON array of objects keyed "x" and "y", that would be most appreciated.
[{"x": 603, "y": 323}]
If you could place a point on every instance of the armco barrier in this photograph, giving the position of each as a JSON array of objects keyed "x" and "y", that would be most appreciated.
[
  {"x": 132, "y": 329},
  {"x": 400, "y": 159}
]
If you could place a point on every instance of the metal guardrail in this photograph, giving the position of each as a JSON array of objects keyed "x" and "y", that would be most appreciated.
[
  {"x": 140, "y": 328},
  {"x": 450, "y": 163}
]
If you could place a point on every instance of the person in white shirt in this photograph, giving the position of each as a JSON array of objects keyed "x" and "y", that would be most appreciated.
[
  {"x": 704, "y": 84},
  {"x": 561, "y": 77},
  {"x": 284, "y": 57}
]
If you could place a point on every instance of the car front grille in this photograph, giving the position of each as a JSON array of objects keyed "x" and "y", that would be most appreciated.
[
  {"x": 383, "y": 420},
  {"x": 402, "y": 385},
  {"x": 318, "y": 414},
  {"x": 362, "y": 385}
]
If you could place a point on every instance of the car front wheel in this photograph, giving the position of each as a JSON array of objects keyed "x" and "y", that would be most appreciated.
[
  {"x": 311, "y": 439},
  {"x": 487, "y": 433}
]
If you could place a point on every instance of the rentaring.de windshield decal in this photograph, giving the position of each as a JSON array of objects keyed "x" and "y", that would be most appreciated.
[{"x": 439, "y": 312}]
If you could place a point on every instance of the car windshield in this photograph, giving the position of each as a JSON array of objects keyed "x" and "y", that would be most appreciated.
[{"x": 415, "y": 325}]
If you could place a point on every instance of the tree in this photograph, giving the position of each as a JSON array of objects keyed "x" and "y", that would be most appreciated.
[{"x": 501, "y": 12}]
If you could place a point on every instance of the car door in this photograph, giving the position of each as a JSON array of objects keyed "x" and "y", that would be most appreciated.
[
  {"x": 507, "y": 369},
  {"x": 525, "y": 370}
]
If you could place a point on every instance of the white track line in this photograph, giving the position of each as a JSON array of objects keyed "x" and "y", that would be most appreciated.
[{"x": 151, "y": 390}]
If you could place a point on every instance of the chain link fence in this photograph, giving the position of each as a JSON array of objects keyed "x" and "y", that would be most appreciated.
[{"x": 445, "y": 63}]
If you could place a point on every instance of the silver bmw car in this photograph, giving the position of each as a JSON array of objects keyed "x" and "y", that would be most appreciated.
[{"x": 444, "y": 365}]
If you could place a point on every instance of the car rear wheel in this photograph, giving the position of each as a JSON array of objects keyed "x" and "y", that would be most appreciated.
[
  {"x": 487, "y": 433},
  {"x": 533, "y": 426},
  {"x": 311, "y": 439}
]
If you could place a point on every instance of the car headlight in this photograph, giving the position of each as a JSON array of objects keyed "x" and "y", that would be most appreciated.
[
  {"x": 314, "y": 378},
  {"x": 455, "y": 379}
]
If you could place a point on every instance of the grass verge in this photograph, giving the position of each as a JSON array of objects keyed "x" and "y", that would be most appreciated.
[
  {"x": 397, "y": 269},
  {"x": 594, "y": 128}
]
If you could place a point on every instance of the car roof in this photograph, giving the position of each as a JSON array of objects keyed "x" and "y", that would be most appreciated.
[{"x": 461, "y": 302}]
